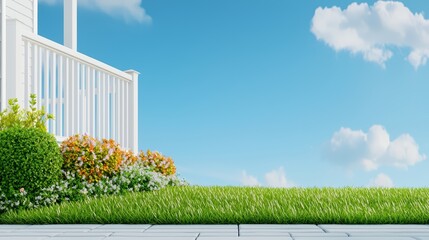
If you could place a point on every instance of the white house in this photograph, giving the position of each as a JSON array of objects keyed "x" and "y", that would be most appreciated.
[{"x": 84, "y": 94}]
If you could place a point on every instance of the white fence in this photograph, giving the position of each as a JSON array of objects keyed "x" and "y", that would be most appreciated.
[{"x": 85, "y": 95}]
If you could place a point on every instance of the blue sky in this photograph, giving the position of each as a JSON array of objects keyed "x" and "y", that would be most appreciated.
[{"x": 275, "y": 93}]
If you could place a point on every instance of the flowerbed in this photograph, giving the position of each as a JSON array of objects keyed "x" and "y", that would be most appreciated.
[{"x": 90, "y": 167}]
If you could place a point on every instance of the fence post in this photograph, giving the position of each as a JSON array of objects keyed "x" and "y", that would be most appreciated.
[
  {"x": 133, "y": 122},
  {"x": 15, "y": 62}
]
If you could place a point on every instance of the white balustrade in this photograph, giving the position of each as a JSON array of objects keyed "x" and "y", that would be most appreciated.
[{"x": 85, "y": 95}]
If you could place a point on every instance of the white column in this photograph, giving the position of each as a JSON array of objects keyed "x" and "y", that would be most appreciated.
[
  {"x": 15, "y": 61},
  {"x": 134, "y": 112},
  {"x": 70, "y": 24}
]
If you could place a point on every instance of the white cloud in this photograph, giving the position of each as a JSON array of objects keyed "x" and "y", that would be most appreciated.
[
  {"x": 248, "y": 180},
  {"x": 372, "y": 30},
  {"x": 129, "y": 10},
  {"x": 382, "y": 180},
  {"x": 354, "y": 148},
  {"x": 275, "y": 178}
]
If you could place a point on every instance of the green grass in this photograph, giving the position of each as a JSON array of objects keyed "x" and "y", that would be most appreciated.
[{"x": 233, "y": 205}]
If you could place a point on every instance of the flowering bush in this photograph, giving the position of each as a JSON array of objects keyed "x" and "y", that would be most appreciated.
[
  {"x": 131, "y": 178},
  {"x": 90, "y": 158},
  {"x": 93, "y": 168},
  {"x": 128, "y": 157},
  {"x": 158, "y": 162}
]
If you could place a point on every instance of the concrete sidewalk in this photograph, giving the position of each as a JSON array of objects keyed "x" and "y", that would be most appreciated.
[{"x": 214, "y": 232}]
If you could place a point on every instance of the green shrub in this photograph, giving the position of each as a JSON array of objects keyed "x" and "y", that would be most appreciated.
[
  {"x": 13, "y": 116},
  {"x": 29, "y": 158},
  {"x": 90, "y": 158},
  {"x": 158, "y": 162}
]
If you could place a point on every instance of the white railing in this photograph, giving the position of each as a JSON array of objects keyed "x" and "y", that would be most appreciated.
[{"x": 85, "y": 95}]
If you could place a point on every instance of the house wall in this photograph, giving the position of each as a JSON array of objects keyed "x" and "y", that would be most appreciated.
[
  {"x": 25, "y": 11},
  {"x": 2, "y": 55}
]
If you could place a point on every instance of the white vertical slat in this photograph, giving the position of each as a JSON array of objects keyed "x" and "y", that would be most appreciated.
[
  {"x": 98, "y": 123},
  {"x": 46, "y": 83},
  {"x": 72, "y": 83},
  {"x": 60, "y": 126},
  {"x": 127, "y": 116},
  {"x": 53, "y": 88},
  {"x": 67, "y": 98},
  {"x": 117, "y": 112},
  {"x": 27, "y": 73},
  {"x": 109, "y": 120},
  {"x": 77, "y": 111},
  {"x": 114, "y": 79},
  {"x": 91, "y": 78},
  {"x": 83, "y": 98},
  {"x": 35, "y": 70},
  {"x": 122, "y": 113},
  {"x": 103, "y": 106},
  {"x": 106, "y": 106},
  {"x": 40, "y": 67},
  {"x": 88, "y": 99}
]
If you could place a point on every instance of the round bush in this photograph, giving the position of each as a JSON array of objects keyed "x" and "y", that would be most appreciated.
[
  {"x": 29, "y": 158},
  {"x": 158, "y": 162},
  {"x": 89, "y": 158}
]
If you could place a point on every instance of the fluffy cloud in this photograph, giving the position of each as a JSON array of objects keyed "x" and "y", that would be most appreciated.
[
  {"x": 129, "y": 10},
  {"x": 275, "y": 178},
  {"x": 248, "y": 180},
  {"x": 382, "y": 180},
  {"x": 355, "y": 148},
  {"x": 372, "y": 30}
]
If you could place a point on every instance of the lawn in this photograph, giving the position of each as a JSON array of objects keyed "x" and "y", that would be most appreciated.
[{"x": 234, "y": 205}]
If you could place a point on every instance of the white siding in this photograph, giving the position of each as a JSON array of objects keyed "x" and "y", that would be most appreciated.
[
  {"x": 22, "y": 10},
  {"x": 2, "y": 55}
]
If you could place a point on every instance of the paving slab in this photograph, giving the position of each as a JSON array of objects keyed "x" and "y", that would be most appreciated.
[
  {"x": 124, "y": 226},
  {"x": 156, "y": 238},
  {"x": 196, "y": 226},
  {"x": 157, "y": 234},
  {"x": 62, "y": 226},
  {"x": 214, "y": 232},
  {"x": 53, "y": 230},
  {"x": 282, "y": 226},
  {"x": 7, "y": 226},
  {"x": 310, "y": 234},
  {"x": 354, "y": 238},
  {"x": 265, "y": 233},
  {"x": 374, "y": 225},
  {"x": 22, "y": 238},
  {"x": 27, "y": 234},
  {"x": 192, "y": 230},
  {"x": 76, "y": 238},
  {"x": 84, "y": 234},
  {"x": 409, "y": 233},
  {"x": 218, "y": 234},
  {"x": 245, "y": 238}
]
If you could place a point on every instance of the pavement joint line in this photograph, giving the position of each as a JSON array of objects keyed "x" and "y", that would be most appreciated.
[
  {"x": 321, "y": 228},
  {"x": 238, "y": 229},
  {"x": 198, "y": 236}
]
